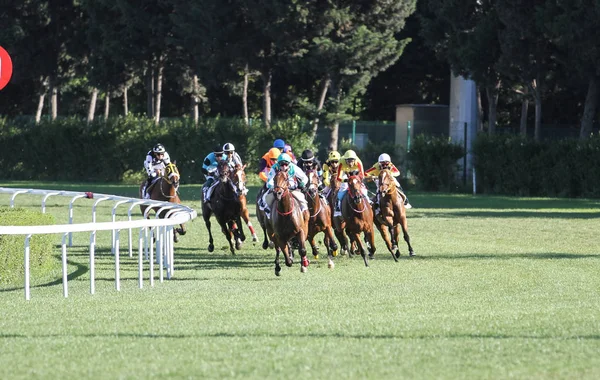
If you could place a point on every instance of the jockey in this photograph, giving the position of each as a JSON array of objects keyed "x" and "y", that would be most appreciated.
[
  {"x": 209, "y": 169},
  {"x": 308, "y": 161},
  {"x": 279, "y": 144},
  {"x": 233, "y": 159},
  {"x": 265, "y": 163},
  {"x": 351, "y": 165},
  {"x": 156, "y": 160},
  {"x": 385, "y": 162},
  {"x": 287, "y": 148},
  {"x": 297, "y": 181},
  {"x": 330, "y": 168},
  {"x": 231, "y": 156}
]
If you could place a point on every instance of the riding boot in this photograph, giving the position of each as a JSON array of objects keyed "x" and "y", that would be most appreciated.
[
  {"x": 338, "y": 208},
  {"x": 407, "y": 205},
  {"x": 145, "y": 192}
]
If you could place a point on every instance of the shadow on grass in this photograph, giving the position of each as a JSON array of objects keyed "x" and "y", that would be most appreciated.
[
  {"x": 506, "y": 256},
  {"x": 79, "y": 271},
  {"x": 505, "y": 214},
  {"x": 311, "y": 335}
]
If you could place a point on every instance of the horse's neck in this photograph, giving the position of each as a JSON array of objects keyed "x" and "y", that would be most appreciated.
[
  {"x": 286, "y": 203},
  {"x": 314, "y": 204}
]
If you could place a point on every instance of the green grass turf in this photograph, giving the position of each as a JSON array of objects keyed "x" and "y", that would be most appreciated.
[{"x": 500, "y": 287}]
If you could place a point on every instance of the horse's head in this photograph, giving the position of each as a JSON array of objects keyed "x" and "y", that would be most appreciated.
[
  {"x": 238, "y": 176},
  {"x": 387, "y": 185},
  {"x": 313, "y": 183},
  {"x": 355, "y": 189},
  {"x": 172, "y": 174},
  {"x": 281, "y": 184},
  {"x": 223, "y": 171}
]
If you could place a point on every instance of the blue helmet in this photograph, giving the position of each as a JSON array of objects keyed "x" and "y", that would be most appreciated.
[{"x": 279, "y": 143}]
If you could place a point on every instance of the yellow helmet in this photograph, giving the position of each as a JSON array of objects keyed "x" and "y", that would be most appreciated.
[
  {"x": 274, "y": 153},
  {"x": 350, "y": 155},
  {"x": 334, "y": 156}
]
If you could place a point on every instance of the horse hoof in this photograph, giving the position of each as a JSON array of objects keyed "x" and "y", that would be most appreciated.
[
  {"x": 398, "y": 254},
  {"x": 180, "y": 231},
  {"x": 303, "y": 269},
  {"x": 238, "y": 244},
  {"x": 371, "y": 256},
  {"x": 411, "y": 253},
  {"x": 316, "y": 257},
  {"x": 330, "y": 264},
  {"x": 211, "y": 247},
  {"x": 289, "y": 263},
  {"x": 271, "y": 245},
  {"x": 277, "y": 272},
  {"x": 254, "y": 238}
]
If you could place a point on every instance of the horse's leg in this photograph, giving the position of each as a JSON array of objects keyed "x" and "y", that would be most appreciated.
[
  {"x": 277, "y": 266},
  {"x": 404, "y": 225},
  {"x": 303, "y": 259},
  {"x": 206, "y": 213},
  {"x": 370, "y": 238},
  {"x": 284, "y": 247},
  {"x": 361, "y": 247},
  {"x": 226, "y": 229},
  {"x": 383, "y": 230},
  {"x": 246, "y": 216},
  {"x": 341, "y": 236}
]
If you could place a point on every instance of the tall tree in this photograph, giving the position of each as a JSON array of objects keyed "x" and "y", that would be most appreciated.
[
  {"x": 465, "y": 33},
  {"x": 353, "y": 42},
  {"x": 573, "y": 26}
]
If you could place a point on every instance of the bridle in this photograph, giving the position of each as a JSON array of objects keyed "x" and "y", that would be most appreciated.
[
  {"x": 171, "y": 176},
  {"x": 281, "y": 190},
  {"x": 313, "y": 191},
  {"x": 355, "y": 198}
]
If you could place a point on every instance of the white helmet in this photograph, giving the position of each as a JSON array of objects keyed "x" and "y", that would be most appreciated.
[
  {"x": 384, "y": 157},
  {"x": 228, "y": 147}
]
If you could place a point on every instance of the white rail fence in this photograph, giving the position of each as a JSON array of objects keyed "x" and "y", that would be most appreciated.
[{"x": 161, "y": 229}]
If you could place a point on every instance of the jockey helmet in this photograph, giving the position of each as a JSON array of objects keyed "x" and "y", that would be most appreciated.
[
  {"x": 308, "y": 155},
  {"x": 284, "y": 158},
  {"x": 274, "y": 153},
  {"x": 218, "y": 149},
  {"x": 279, "y": 144},
  {"x": 228, "y": 147},
  {"x": 334, "y": 156},
  {"x": 159, "y": 148},
  {"x": 384, "y": 157},
  {"x": 287, "y": 148},
  {"x": 350, "y": 155}
]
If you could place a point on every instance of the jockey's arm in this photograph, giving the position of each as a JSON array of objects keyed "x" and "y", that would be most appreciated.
[
  {"x": 166, "y": 158},
  {"x": 148, "y": 165},
  {"x": 271, "y": 178},
  {"x": 325, "y": 175},
  {"x": 300, "y": 176},
  {"x": 262, "y": 164},
  {"x": 395, "y": 171}
]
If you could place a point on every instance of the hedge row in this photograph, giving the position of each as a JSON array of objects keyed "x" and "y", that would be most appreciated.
[{"x": 12, "y": 247}]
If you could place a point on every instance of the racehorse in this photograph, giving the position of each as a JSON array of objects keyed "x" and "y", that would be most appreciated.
[
  {"x": 165, "y": 189},
  {"x": 238, "y": 176},
  {"x": 320, "y": 219},
  {"x": 337, "y": 223},
  {"x": 225, "y": 205},
  {"x": 358, "y": 215},
  {"x": 287, "y": 223},
  {"x": 392, "y": 214}
]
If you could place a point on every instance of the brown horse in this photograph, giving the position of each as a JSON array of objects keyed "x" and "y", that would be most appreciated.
[
  {"x": 392, "y": 214},
  {"x": 337, "y": 223},
  {"x": 358, "y": 216},
  {"x": 320, "y": 219},
  {"x": 225, "y": 204},
  {"x": 165, "y": 189},
  {"x": 287, "y": 223},
  {"x": 238, "y": 176}
]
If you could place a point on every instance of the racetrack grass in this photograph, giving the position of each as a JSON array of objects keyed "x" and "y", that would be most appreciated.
[{"x": 500, "y": 287}]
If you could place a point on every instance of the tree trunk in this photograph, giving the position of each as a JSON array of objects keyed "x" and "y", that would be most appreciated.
[
  {"x": 267, "y": 78},
  {"x": 92, "y": 107},
  {"x": 479, "y": 111},
  {"x": 245, "y": 97},
  {"x": 40, "y": 108},
  {"x": 534, "y": 87},
  {"x": 125, "y": 101},
  {"x": 194, "y": 100},
  {"x": 524, "y": 110},
  {"x": 158, "y": 95},
  {"x": 106, "y": 106},
  {"x": 150, "y": 92},
  {"x": 324, "y": 88},
  {"x": 492, "y": 92},
  {"x": 53, "y": 101},
  {"x": 333, "y": 144},
  {"x": 589, "y": 110}
]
